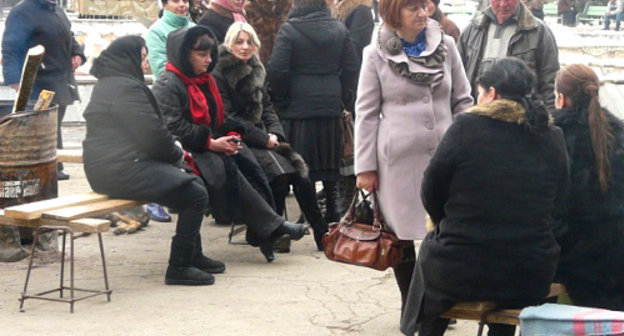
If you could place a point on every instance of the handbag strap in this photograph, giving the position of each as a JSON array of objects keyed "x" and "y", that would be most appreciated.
[{"x": 378, "y": 221}]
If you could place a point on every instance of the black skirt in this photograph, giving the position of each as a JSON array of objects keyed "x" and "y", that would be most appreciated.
[{"x": 319, "y": 141}]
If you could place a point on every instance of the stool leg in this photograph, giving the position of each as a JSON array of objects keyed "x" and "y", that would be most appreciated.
[
  {"x": 480, "y": 331},
  {"x": 71, "y": 266},
  {"x": 63, "y": 263},
  {"x": 32, "y": 256},
  {"x": 104, "y": 266}
]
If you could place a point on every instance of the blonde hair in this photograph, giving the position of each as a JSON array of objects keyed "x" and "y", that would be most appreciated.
[{"x": 235, "y": 29}]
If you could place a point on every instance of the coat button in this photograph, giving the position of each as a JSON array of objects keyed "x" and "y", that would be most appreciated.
[
  {"x": 426, "y": 100},
  {"x": 431, "y": 151},
  {"x": 429, "y": 125}
]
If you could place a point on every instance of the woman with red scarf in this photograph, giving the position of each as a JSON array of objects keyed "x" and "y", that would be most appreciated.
[{"x": 190, "y": 101}]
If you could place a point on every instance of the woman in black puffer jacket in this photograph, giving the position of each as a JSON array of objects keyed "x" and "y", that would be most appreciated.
[{"x": 312, "y": 76}]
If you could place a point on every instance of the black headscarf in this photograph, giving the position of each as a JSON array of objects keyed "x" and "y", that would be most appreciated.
[{"x": 121, "y": 58}]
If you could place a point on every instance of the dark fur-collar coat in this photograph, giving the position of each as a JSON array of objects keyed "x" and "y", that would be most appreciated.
[
  {"x": 491, "y": 188},
  {"x": 245, "y": 99},
  {"x": 593, "y": 248}
]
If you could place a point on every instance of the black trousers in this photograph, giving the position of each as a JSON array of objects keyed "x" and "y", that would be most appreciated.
[
  {"x": 250, "y": 206},
  {"x": 191, "y": 200},
  {"x": 253, "y": 173}
]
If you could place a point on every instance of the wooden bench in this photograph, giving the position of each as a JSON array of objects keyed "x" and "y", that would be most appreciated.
[
  {"x": 486, "y": 311},
  {"x": 69, "y": 215}
]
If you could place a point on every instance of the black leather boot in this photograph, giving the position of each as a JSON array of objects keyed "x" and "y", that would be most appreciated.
[
  {"x": 180, "y": 270},
  {"x": 204, "y": 263},
  {"x": 306, "y": 197},
  {"x": 331, "y": 202}
]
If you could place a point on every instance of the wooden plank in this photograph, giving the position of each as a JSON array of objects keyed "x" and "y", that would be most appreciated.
[
  {"x": 470, "y": 310},
  {"x": 69, "y": 155},
  {"x": 35, "y": 223},
  {"x": 89, "y": 225},
  {"x": 504, "y": 316},
  {"x": 91, "y": 209},
  {"x": 30, "y": 211}
]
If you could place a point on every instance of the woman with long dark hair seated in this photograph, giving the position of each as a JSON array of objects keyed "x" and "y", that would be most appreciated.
[
  {"x": 128, "y": 148},
  {"x": 189, "y": 98},
  {"x": 491, "y": 188},
  {"x": 240, "y": 76},
  {"x": 592, "y": 249}
]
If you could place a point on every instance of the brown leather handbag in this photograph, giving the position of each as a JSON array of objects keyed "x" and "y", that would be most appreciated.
[{"x": 363, "y": 244}]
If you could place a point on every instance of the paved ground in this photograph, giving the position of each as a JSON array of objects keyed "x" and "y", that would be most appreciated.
[{"x": 300, "y": 293}]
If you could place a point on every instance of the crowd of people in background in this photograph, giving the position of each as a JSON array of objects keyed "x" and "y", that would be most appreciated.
[{"x": 510, "y": 156}]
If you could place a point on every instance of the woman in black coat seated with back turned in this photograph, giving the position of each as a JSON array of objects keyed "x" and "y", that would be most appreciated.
[
  {"x": 189, "y": 98},
  {"x": 128, "y": 147},
  {"x": 491, "y": 187}
]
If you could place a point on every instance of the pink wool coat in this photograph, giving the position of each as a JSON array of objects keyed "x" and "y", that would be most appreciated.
[{"x": 399, "y": 123}]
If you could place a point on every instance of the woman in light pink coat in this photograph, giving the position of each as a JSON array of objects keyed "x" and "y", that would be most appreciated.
[{"x": 412, "y": 82}]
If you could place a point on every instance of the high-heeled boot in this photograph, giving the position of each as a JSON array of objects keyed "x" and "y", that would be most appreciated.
[
  {"x": 306, "y": 197},
  {"x": 331, "y": 202}
]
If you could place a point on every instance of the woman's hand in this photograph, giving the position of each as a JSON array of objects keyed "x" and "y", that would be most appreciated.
[
  {"x": 368, "y": 181},
  {"x": 227, "y": 144},
  {"x": 272, "y": 141}
]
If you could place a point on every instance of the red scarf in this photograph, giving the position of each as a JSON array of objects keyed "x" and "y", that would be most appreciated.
[{"x": 197, "y": 101}]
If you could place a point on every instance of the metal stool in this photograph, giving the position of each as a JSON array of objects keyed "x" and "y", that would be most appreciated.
[{"x": 72, "y": 298}]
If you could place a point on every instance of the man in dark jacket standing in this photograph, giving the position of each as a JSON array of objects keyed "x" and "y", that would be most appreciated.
[
  {"x": 33, "y": 22},
  {"x": 507, "y": 28}
]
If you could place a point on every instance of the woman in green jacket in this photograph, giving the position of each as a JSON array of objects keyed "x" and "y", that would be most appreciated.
[{"x": 174, "y": 16}]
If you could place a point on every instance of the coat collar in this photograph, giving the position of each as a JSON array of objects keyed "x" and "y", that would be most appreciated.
[
  {"x": 524, "y": 18},
  {"x": 344, "y": 8},
  {"x": 246, "y": 78},
  {"x": 389, "y": 48},
  {"x": 501, "y": 109},
  {"x": 174, "y": 19}
]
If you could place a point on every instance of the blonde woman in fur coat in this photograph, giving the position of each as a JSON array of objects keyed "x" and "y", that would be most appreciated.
[{"x": 240, "y": 76}]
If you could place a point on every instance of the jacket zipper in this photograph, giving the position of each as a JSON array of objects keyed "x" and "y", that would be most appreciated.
[{"x": 276, "y": 162}]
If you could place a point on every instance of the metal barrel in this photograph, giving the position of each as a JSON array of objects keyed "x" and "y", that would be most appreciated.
[
  {"x": 27, "y": 155},
  {"x": 27, "y": 168}
]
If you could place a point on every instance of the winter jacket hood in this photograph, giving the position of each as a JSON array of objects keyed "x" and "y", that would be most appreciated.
[
  {"x": 121, "y": 58},
  {"x": 317, "y": 25},
  {"x": 179, "y": 46}
]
